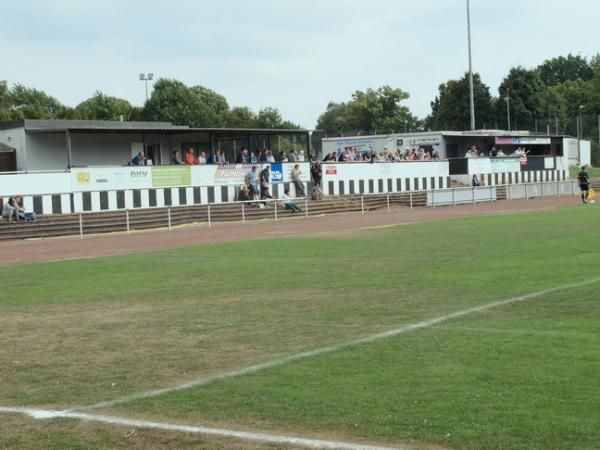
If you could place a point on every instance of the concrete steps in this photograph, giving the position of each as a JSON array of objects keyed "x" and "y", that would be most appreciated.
[{"x": 151, "y": 218}]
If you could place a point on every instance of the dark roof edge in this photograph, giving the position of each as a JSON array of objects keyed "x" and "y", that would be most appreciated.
[{"x": 12, "y": 124}]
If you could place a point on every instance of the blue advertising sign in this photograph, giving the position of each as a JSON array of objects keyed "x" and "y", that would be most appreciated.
[{"x": 276, "y": 172}]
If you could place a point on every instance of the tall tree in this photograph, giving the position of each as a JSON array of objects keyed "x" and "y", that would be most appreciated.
[
  {"x": 450, "y": 110},
  {"x": 530, "y": 99},
  {"x": 331, "y": 121},
  {"x": 240, "y": 117},
  {"x": 215, "y": 104},
  {"x": 370, "y": 111},
  {"x": 173, "y": 101},
  {"x": 565, "y": 68},
  {"x": 104, "y": 107},
  {"x": 30, "y": 103}
]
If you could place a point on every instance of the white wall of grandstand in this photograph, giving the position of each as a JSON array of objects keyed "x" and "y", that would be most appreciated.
[
  {"x": 112, "y": 188},
  {"x": 548, "y": 157}
]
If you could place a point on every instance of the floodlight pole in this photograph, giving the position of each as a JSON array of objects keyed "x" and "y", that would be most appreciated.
[
  {"x": 471, "y": 93},
  {"x": 145, "y": 78},
  {"x": 508, "y": 107}
]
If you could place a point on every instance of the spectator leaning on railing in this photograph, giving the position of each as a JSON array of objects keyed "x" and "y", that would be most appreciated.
[
  {"x": 296, "y": 180},
  {"x": 190, "y": 158}
]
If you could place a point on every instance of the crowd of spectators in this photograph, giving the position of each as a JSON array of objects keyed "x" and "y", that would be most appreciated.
[
  {"x": 474, "y": 152},
  {"x": 14, "y": 209},
  {"x": 355, "y": 154},
  {"x": 245, "y": 156}
]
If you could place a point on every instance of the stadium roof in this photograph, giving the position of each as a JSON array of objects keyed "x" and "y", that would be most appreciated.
[{"x": 104, "y": 126}]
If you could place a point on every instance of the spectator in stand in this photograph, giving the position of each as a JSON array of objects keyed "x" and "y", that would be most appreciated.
[
  {"x": 475, "y": 181},
  {"x": 297, "y": 182},
  {"x": 265, "y": 179},
  {"x": 292, "y": 156},
  {"x": 176, "y": 159},
  {"x": 244, "y": 156},
  {"x": 202, "y": 158},
  {"x": 331, "y": 157},
  {"x": 254, "y": 156},
  {"x": 287, "y": 202},
  {"x": 244, "y": 194},
  {"x": 22, "y": 212},
  {"x": 270, "y": 157},
  {"x": 317, "y": 192},
  {"x": 500, "y": 154},
  {"x": 316, "y": 172},
  {"x": 421, "y": 154},
  {"x": 252, "y": 182},
  {"x": 264, "y": 155},
  {"x": 137, "y": 160},
  {"x": 189, "y": 158},
  {"x": 9, "y": 210},
  {"x": 435, "y": 154}
]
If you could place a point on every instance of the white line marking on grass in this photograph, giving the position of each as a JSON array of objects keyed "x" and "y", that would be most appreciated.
[
  {"x": 221, "y": 432},
  {"x": 328, "y": 349}
]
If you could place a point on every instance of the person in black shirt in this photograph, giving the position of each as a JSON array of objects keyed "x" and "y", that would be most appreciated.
[{"x": 584, "y": 184}]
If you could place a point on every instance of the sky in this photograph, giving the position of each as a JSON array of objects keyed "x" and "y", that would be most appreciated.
[{"x": 295, "y": 55}]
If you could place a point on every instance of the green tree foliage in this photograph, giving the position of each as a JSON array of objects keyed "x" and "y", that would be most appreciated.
[
  {"x": 565, "y": 68},
  {"x": 450, "y": 110},
  {"x": 369, "y": 111},
  {"x": 104, "y": 107},
  {"x": 530, "y": 98},
  {"x": 30, "y": 103},
  {"x": 240, "y": 117}
]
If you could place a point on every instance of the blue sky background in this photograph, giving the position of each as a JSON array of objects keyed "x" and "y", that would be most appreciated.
[{"x": 293, "y": 55}]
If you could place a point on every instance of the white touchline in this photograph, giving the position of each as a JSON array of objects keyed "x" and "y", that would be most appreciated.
[
  {"x": 328, "y": 349},
  {"x": 222, "y": 432}
]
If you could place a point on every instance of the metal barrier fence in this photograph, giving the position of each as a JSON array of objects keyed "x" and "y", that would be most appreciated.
[
  {"x": 442, "y": 197},
  {"x": 466, "y": 195}
]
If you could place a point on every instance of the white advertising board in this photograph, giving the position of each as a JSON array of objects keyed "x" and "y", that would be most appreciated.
[
  {"x": 35, "y": 184},
  {"x": 368, "y": 171},
  {"x": 235, "y": 174},
  {"x": 486, "y": 165},
  {"x": 114, "y": 178}
]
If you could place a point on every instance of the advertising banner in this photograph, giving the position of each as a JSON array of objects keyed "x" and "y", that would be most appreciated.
[
  {"x": 106, "y": 179},
  {"x": 276, "y": 173},
  {"x": 523, "y": 140},
  {"x": 235, "y": 174},
  {"x": 505, "y": 165},
  {"x": 167, "y": 176}
]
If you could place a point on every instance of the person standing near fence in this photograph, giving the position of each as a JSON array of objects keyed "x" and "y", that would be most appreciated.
[
  {"x": 297, "y": 182},
  {"x": 584, "y": 184}
]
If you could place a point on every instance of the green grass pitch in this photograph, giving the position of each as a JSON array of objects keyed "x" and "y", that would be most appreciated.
[{"x": 523, "y": 375}]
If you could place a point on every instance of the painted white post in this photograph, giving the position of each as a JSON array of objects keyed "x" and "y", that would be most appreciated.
[
  {"x": 473, "y": 192},
  {"x": 362, "y": 205},
  {"x": 453, "y": 197},
  {"x": 411, "y": 200},
  {"x": 243, "y": 213},
  {"x": 388, "y": 202},
  {"x": 526, "y": 192},
  {"x": 433, "y": 198},
  {"x": 275, "y": 211},
  {"x": 127, "y": 220},
  {"x": 209, "y": 219},
  {"x": 492, "y": 194},
  {"x": 306, "y": 207},
  {"x": 169, "y": 217},
  {"x": 80, "y": 225}
]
